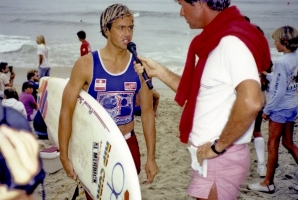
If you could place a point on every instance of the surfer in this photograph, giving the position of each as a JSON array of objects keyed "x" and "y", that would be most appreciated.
[
  {"x": 221, "y": 94},
  {"x": 108, "y": 76}
]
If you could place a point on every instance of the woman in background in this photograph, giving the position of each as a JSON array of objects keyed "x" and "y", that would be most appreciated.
[
  {"x": 43, "y": 57},
  {"x": 281, "y": 108}
]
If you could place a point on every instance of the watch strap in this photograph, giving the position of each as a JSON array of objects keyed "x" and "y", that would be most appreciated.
[{"x": 215, "y": 151}]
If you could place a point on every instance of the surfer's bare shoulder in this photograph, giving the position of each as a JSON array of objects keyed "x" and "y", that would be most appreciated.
[{"x": 81, "y": 73}]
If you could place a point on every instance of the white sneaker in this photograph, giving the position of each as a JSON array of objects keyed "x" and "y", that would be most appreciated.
[
  {"x": 262, "y": 170},
  {"x": 257, "y": 187}
]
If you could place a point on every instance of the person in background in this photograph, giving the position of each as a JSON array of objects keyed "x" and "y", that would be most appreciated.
[
  {"x": 281, "y": 109},
  {"x": 109, "y": 77},
  {"x": 85, "y": 46},
  {"x": 43, "y": 57},
  {"x": 4, "y": 81},
  {"x": 221, "y": 94},
  {"x": 40, "y": 128},
  {"x": 11, "y": 99},
  {"x": 29, "y": 102},
  {"x": 10, "y": 74},
  {"x": 258, "y": 138},
  {"x": 22, "y": 162},
  {"x": 32, "y": 77}
]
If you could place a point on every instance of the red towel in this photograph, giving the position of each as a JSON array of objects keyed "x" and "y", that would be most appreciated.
[{"x": 228, "y": 22}]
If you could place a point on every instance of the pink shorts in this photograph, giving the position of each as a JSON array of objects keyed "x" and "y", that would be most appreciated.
[{"x": 228, "y": 172}]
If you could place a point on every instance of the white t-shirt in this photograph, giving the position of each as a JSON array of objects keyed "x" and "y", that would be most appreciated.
[
  {"x": 3, "y": 82},
  {"x": 15, "y": 104},
  {"x": 8, "y": 74},
  {"x": 43, "y": 50},
  {"x": 228, "y": 64}
]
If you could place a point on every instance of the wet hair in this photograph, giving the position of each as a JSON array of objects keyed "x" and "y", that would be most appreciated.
[
  {"x": 112, "y": 13},
  {"x": 11, "y": 93},
  {"x": 27, "y": 85},
  {"x": 217, "y": 5},
  {"x": 40, "y": 40},
  {"x": 3, "y": 66},
  {"x": 31, "y": 73},
  {"x": 287, "y": 36},
  {"x": 81, "y": 35}
]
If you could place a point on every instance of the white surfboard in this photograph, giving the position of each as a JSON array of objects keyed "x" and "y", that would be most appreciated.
[{"x": 97, "y": 149}]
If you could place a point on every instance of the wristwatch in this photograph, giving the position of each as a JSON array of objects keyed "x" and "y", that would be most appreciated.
[{"x": 214, "y": 150}]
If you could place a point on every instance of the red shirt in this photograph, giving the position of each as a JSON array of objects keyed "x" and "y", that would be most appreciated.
[{"x": 85, "y": 48}]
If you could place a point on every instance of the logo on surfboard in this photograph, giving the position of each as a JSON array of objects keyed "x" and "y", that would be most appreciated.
[{"x": 116, "y": 185}]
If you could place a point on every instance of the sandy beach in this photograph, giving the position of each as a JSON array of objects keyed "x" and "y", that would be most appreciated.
[{"x": 172, "y": 158}]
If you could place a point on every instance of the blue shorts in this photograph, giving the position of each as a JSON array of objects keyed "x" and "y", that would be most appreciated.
[
  {"x": 283, "y": 116},
  {"x": 44, "y": 71}
]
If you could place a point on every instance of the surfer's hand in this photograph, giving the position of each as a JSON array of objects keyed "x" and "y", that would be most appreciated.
[
  {"x": 149, "y": 65},
  {"x": 151, "y": 169},
  {"x": 68, "y": 167}
]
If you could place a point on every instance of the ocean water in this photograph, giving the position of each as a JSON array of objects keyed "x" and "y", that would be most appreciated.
[{"x": 160, "y": 33}]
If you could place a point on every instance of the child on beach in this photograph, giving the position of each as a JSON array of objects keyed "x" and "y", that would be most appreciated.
[
  {"x": 43, "y": 57},
  {"x": 282, "y": 106}
]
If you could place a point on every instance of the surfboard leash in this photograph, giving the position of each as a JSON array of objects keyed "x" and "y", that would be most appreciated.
[{"x": 76, "y": 193}]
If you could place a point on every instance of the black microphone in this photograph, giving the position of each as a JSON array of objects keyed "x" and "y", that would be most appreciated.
[{"x": 131, "y": 47}]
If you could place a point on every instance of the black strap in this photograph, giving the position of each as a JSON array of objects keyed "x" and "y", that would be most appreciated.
[{"x": 76, "y": 193}]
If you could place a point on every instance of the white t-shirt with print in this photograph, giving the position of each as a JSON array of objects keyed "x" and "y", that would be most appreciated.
[
  {"x": 43, "y": 50},
  {"x": 228, "y": 64}
]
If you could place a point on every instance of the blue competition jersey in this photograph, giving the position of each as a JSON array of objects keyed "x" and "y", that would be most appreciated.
[{"x": 115, "y": 92}]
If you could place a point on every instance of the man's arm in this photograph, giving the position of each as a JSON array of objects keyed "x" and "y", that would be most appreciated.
[
  {"x": 248, "y": 103},
  {"x": 148, "y": 123},
  {"x": 154, "y": 69},
  {"x": 79, "y": 77},
  {"x": 12, "y": 76}
]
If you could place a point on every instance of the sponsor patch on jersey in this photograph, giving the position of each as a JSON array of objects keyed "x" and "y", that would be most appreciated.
[
  {"x": 100, "y": 84},
  {"x": 130, "y": 85}
]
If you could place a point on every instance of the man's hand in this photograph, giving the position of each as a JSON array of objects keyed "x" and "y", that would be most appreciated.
[
  {"x": 12, "y": 76},
  {"x": 149, "y": 65},
  {"x": 205, "y": 152},
  {"x": 151, "y": 169},
  {"x": 68, "y": 167}
]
